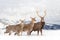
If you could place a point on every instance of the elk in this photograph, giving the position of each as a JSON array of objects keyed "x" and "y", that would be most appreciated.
[
  {"x": 29, "y": 27},
  {"x": 15, "y": 28},
  {"x": 39, "y": 25}
]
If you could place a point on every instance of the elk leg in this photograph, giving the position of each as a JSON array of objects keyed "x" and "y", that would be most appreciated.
[
  {"x": 30, "y": 32},
  {"x": 27, "y": 33},
  {"x": 21, "y": 32},
  {"x": 18, "y": 33},
  {"x": 5, "y": 32},
  {"x": 38, "y": 32},
  {"x": 9, "y": 33},
  {"x": 41, "y": 31},
  {"x": 15, "y": 33}
]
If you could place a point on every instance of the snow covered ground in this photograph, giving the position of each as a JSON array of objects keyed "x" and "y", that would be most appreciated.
[{"x": 47, "y": 35}]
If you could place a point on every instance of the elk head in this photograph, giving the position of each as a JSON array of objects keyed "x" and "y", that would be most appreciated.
[
  {"x": 33, "y": 19},
  {"x": 22, "y": 22},
  {"x": 42, "y": 17}
]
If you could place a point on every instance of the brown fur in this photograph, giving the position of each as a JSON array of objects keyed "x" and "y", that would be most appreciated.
[
  {"x": 15, "y": 28},
  {"x": 19, "y": 28},
  {"x": 29, "y": 27},
  {"x": 38, "y": 27}
]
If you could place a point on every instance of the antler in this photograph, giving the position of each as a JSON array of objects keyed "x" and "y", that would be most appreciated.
[
  {"x": 37, "y": 12},
  {"x": 44, "y": 12}
]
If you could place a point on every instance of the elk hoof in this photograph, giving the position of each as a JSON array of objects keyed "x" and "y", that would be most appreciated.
[
  {"x": 18, "y": 34},
  {"x": 15, "y": 33}
]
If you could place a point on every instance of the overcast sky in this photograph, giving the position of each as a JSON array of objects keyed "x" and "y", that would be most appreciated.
[{"x": 16, "y": 9}]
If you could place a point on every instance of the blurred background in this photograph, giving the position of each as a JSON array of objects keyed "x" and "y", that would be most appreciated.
[{"x": 11, "y": 11}]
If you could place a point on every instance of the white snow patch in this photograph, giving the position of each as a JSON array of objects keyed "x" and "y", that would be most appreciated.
[{"x": 47, "y": 35}]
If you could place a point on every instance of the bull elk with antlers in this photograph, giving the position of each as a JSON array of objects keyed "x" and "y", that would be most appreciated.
[
  {"x": 39, "y": 25},
  {"x": 15, "y": 28}
]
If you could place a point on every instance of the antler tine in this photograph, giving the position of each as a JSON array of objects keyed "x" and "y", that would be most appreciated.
[
  {"x": 44, "y": 12},
  {"x": 37, "y": 12}
]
